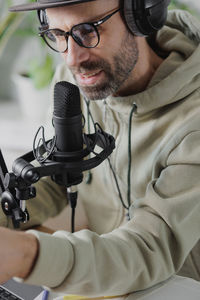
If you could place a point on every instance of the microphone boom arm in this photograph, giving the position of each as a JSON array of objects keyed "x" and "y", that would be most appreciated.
[{"x": 65, "y": 168}]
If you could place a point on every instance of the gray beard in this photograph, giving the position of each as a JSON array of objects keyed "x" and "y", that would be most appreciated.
[{"x": 123, "y": 63}]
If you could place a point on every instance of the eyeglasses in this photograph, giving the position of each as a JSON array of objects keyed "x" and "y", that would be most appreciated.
[{"x": 84, "y": 34}]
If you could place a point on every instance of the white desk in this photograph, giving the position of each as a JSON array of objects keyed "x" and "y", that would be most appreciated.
[{"x": 176, "y": 288}]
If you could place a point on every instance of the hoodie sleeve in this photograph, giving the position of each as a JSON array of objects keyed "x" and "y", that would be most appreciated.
[{"x": 148, "y": 249}]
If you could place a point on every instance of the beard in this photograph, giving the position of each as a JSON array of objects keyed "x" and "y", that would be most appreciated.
[{"x": 115, "y": 75}]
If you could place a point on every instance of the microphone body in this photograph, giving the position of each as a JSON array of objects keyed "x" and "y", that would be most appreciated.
[
  {"x": 67, "y": 121},
  {"x": 68, "y": 133}
]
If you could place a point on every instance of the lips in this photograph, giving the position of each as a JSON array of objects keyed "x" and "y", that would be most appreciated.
[{"x": 86, "y": 79}]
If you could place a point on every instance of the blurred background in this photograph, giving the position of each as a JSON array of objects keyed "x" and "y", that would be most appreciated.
[{"x": 26, "y": 70}]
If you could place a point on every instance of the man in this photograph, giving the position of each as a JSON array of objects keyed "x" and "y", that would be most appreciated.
[{"x": 150, "y": 88}]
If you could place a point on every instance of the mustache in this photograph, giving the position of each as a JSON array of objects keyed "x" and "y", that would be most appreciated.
[{"x": 91, "y": 65}]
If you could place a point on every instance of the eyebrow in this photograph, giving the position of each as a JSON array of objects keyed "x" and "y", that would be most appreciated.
[{"x": 92, "y": 20}]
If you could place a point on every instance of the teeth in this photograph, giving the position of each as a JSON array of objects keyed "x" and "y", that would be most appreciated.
[{"x": 89, "y": 75}]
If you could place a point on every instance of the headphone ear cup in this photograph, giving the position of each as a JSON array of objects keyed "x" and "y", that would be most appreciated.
[
  {"x": 129, "y": 16},
  {"x": 156, "y": 16},
  {"x": 145, "y": 17}
]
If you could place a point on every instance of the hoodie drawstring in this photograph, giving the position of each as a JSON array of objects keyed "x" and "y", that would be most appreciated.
[{"x": 89, "y": 179}]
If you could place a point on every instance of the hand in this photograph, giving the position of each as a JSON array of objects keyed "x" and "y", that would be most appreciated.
[{"x": 18, "y": 252}]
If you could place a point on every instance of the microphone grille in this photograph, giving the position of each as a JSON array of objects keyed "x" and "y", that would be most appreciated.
[{"x": 66, "y": 100}]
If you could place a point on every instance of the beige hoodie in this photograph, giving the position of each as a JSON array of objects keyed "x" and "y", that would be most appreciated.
[{"x": 117, "y": 256}]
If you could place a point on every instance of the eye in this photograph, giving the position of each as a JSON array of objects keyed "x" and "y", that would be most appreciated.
[{"x": 51, "y": 36}]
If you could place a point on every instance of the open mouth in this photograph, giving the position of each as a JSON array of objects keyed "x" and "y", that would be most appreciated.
[{"x": 89, "y": 78}]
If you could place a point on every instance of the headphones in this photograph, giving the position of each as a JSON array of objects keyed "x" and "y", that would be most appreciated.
[{"x": 142, "y": 17}]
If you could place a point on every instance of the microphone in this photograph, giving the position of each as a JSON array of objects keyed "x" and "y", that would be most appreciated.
[
  {"x": 63, "y": 157},
  {"x": 67, "y": 121},
  {"x": 67, "y": 117}
]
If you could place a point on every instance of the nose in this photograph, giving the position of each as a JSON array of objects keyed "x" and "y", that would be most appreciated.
[{"x": 75, "y": 54}]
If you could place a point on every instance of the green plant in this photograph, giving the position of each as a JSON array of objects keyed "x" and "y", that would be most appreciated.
[
  {"x": 8, "y": 25},
  {"x": 39, "y": 69},
  {"x": 41, "y": 73}
]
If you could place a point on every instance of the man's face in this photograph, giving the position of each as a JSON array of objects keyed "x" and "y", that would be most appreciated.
[{"x": 105, "y": 69}]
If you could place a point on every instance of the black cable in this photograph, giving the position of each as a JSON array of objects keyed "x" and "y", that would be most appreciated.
[
  {"x": 117, "y": 184},
  {"x": 72, "y": 196},
  {"x": 73, "y": 219}
]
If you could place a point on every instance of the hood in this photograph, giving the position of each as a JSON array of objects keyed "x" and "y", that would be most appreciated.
[{"x": 179, "y": 74}]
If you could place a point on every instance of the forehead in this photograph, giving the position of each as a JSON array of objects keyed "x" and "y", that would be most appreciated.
[{"x": 68, "y": 16}]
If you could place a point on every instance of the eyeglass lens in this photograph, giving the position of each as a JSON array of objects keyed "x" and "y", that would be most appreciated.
[{"x": 84, "y": 34}]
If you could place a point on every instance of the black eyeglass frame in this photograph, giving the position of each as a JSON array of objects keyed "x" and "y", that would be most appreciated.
[{"x": 66, "y": 34}]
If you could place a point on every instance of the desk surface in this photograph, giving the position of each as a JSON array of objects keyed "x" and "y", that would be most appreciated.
[{"x": 176, "y": 288}]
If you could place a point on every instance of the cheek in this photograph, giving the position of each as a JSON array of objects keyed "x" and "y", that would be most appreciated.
[{"x": 111, "y": 40}]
